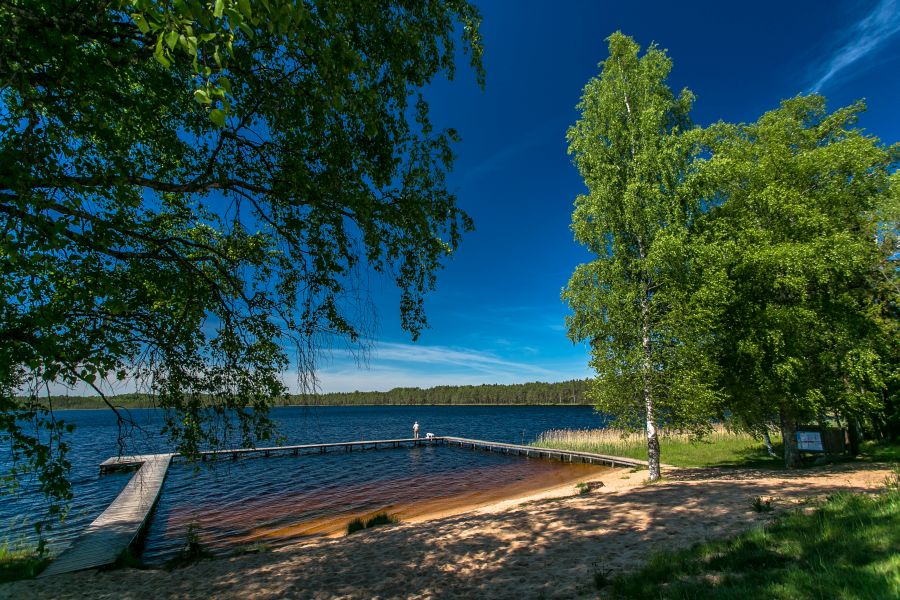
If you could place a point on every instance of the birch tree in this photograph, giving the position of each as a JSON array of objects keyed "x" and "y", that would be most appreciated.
[{"x": 644, "y": 311}]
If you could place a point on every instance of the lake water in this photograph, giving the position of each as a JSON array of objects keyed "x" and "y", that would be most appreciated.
[{"x": 277, "y": 499}]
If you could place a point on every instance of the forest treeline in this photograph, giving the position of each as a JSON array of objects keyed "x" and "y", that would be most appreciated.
[
  {"x": 564, "y": 392},
  {"x": 571, "y": 392}
]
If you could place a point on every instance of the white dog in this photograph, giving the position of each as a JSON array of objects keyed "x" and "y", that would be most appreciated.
[{"x": 429, "y": 436}]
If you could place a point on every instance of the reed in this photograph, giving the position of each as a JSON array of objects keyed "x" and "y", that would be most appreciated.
[{"x": 720, "y": 447}]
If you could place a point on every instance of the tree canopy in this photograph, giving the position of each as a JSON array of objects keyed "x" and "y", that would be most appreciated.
[
  {"x": 744, "y": 272},
  {"x": 797, "y": 202},
  {"x": 188, "y": 190},
  {"x": 637, "y": 304}
]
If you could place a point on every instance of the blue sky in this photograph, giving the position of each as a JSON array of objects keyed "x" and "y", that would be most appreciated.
[{"x": 496, "y": 316}]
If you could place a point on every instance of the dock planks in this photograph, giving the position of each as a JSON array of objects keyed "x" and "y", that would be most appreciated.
[
  {"x": 551, "y": 453},
  {"x": 114, "y": 530}
]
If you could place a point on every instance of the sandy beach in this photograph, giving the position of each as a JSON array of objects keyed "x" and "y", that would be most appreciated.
[{"x": 543, "y": 545}]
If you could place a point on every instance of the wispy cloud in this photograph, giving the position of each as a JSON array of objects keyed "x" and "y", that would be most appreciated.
[
  {"x": 412, "y": 365},
  {"x": 453, "y": 357},
  {"x": 867, "y": 35}
]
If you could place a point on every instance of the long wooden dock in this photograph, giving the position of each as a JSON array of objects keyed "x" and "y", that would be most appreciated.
[
  {"x": 551, "y": 453},
  {"x": 115, "y": 530}
]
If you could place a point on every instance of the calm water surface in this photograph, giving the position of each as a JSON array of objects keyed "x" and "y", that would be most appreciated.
[{"x": 279, "y": 498}]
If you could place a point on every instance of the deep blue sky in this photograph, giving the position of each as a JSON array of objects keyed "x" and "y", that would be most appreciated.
[{"x": 496, "y": 315}]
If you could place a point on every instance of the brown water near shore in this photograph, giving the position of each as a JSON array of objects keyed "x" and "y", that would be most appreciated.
[
  {"x": 236, "y": 510},
  {"x": 543, "y": 477}
]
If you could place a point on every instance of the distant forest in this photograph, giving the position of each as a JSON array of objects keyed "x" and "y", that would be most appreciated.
[
  {"x": 561, "y": 393},
  {"x": 564, "y": 392}
]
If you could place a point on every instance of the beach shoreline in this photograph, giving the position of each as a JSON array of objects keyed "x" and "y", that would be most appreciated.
[{"x": 545, "y": 544}]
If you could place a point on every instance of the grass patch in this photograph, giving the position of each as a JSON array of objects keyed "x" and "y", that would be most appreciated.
[
  {"x": 882, "y": 452},
  {"x": 20, "y": 563},
  {"x": 359, "y": 524},
  {"x": 847, "y": 548},
  {"x": 720, "y": 448}
]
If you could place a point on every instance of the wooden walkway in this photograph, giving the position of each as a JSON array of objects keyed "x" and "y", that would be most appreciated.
[
  {"x": 551, "y": 453},
  {"x": 115, "y": 530}
]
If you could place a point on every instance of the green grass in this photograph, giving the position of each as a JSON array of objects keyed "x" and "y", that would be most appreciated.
[
  {"x": 359, "y": 524},
  {"x": 847, "y": 548},
  {"x": 20, "y": 563},
  {"x": 882, "y": 452},
  {"x": 721, "y": 448}
]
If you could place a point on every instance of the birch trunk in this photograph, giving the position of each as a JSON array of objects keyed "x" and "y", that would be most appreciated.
[
  {"x": 768, "y": 441},
  {"x": 652, "y": 434}
]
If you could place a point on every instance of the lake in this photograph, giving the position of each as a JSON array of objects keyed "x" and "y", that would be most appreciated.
[{"x": 276, "y": 500}]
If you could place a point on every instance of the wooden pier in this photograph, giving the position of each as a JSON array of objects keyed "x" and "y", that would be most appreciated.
[
  {"x": 550, "y": 453},
  {"x": 115, "y": 530}
]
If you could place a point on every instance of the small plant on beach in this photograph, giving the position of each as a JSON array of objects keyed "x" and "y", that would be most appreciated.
[
  {"x": 761, "y": 505},
  {"x": 582, "y": 487},
  {"x": 193, "y": 550},
  {"x": 381, "y": 519},
  {"x": 359, "y": 524},
  {"x": 355, "y": 525}
]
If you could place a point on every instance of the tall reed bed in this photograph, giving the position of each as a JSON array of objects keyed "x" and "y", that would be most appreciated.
[{"x": 718, "y": 448}]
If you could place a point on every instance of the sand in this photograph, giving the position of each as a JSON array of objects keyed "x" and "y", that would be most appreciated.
[{"x": 544, "y": 545}]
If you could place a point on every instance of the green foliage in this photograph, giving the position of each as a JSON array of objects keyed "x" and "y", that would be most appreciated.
[
  {"x": 796, "y": 207},
  {"x": 644, "y": 311},
  {"x": 846, "y": 549},
  {"x": 189, "y": 190}
]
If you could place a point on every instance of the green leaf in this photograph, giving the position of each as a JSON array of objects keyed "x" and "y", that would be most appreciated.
[
  {"x": 171, "y": 39},
  {"x": 201, "y": 96},
  {"x": 218, "y": 8},
  {"x": 246, "y": 9},
  {"x": 217, "y": 116},
  {"x": 160, "y": 54},
  {"x": 141, "y": 22}
]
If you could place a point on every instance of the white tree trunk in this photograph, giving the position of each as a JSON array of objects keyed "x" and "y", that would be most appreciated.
[{"x": 652, "y": 435}]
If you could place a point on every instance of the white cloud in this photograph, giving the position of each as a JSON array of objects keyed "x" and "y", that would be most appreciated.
[
  {"x": 869, "y": 33},
  {"x": 457, "y": 357},
  {"x": 410, "y": 365}
]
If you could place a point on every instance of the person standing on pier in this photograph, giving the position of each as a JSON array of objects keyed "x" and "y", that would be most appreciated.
[{"x": 416, "y": 430}]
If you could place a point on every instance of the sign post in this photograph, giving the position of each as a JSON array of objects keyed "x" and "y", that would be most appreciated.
[{"x": 809, "y": 441}]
